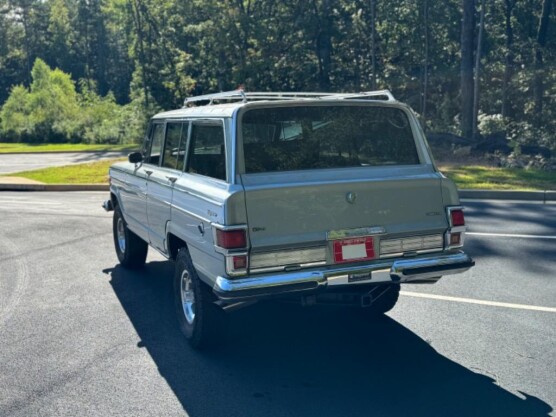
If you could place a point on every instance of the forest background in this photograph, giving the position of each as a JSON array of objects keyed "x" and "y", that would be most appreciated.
[{"x": 482, "y": 72}]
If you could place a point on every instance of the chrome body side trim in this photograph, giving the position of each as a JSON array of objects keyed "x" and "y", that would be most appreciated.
[{"x": 421, "y": 268}]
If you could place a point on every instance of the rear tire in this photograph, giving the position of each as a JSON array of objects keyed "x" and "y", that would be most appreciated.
[
  {"x": 387, "y": 297},
  {"x": 201, "y": 321},
  {"x": 130, "y": 248}
]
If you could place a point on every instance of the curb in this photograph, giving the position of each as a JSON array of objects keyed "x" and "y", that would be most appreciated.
[
  {"x": 543, "y": 196},
  {"x": 54, "y": 187}
]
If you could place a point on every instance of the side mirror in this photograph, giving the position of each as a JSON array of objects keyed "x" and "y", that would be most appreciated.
[{"x": 135, "y": 157}]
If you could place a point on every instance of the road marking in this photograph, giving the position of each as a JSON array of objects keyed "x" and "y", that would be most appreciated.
[
  {"x": 21, "y": 279},
  {"x": 480, "y": 302},
  {"x": 510, "y": 235}
]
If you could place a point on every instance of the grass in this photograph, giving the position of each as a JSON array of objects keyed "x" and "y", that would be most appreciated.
[
  {"x": 490, "y": 178},
  {"x": 473, "y": 177},
  {"x": 61, "y": 147},
  {"x": 90, "y": 173}
]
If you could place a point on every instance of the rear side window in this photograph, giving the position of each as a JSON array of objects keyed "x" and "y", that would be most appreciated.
[
  {"x": 174, "y": 147},
  {"x": 313, "y": 137},
  {"x": 207, "y": 152}
]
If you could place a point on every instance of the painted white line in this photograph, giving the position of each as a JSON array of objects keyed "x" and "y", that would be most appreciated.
[
  {"x": 480, "y": 302},
  {"x": 510, "y": 235},
  {"x": 34, "y": 203}
]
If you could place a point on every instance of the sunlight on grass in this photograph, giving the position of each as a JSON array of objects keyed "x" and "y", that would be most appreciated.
[
  {"x": 490, "y": 178},
  {"x": 465, "y": 177},
  {"x": 91, "y": 173},
  {"x": 62, "y": 147}
]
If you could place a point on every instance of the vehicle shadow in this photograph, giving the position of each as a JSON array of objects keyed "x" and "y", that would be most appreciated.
[{"x": 287, "y": 360}]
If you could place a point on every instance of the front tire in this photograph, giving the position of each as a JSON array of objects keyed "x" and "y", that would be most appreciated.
[
  {"x": 201, "y": 321},
  {"x": 130, "y": 248}
]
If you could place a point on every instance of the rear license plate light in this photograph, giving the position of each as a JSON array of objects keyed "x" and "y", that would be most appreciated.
[{"x": 353, "y": 250}]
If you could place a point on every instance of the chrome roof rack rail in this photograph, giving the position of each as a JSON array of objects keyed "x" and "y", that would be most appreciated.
[
  {"x": 240, "y": 95},
  {"x": 366, "y": 95}
]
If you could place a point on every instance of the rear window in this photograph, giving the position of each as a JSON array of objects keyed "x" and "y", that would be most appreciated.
[{"x": 312, "y": 137}]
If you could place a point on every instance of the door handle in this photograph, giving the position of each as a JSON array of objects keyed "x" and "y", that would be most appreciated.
[
  {"x": 172, "y": 179},
  {"x": 148, "y": 172}
]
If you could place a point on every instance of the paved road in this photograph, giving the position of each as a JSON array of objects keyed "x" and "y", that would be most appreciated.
[
  {"x": 10, "y": 163},
  {"x": 82, "y": 337}
]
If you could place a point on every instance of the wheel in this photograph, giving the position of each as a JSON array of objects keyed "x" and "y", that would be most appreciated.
[
  {"x": 130, "y": 248},
  {"x": 201, "y": 321},
  {"x": 385, "y": 298}
]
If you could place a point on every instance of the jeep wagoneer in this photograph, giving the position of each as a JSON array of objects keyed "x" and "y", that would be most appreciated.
[{"x": 314, "y": 197}]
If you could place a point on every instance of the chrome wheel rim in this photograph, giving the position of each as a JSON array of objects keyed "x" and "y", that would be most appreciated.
[
  {"x": 120, "y": 234},
  {"x": 187, "y": 297}
]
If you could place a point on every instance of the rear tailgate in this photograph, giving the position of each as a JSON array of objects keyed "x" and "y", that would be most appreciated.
[{"x": 302, "y": 208}]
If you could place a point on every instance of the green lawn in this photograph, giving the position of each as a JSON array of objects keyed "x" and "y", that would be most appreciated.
[
  {"x": 473, "y": 177},
  {"x": 91, "y": 173},
  {"x": 62, "y": 147},
  {"x": 489, "y": 178}
]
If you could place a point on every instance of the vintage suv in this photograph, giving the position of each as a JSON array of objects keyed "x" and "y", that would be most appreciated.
[{"x": 314, "y": 197}]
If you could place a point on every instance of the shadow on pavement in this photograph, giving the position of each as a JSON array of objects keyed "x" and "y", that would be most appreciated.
[{"x": 287, "y": 360}]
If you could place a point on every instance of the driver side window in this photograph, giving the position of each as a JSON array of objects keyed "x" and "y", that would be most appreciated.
[{"x": 154, "y": 147}]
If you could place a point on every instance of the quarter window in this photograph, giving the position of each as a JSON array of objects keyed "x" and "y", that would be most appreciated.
[{"x": 207, "y": 152}]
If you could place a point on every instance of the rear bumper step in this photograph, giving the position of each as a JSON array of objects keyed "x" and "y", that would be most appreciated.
[{"x": 418, "y": 269}]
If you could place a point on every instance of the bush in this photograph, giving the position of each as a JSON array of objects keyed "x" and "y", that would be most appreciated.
[{"x": 53, "y": 111}]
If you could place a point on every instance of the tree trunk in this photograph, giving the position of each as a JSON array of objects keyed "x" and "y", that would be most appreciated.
[
  {"x": 324, "y": 45},
  {"x": 508, "y": 60},
  {"x": 372, "y": 4},
  {"x": 425, "y": 64},
  {"x": 476, "y": 84},
  {"x": 538, "y": 87},
  {"x": 467, "y": 32},
  {"x": 142, "y": 57}
]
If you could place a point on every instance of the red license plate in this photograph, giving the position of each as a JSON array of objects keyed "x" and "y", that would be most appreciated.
[{"x": 354, "y": 250}]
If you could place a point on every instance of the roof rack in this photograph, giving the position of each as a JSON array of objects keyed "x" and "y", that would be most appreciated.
[{"x": 240, "y": 95}]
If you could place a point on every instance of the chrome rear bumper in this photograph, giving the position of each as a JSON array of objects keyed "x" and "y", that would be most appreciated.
[{"x": 418, "y": 269}]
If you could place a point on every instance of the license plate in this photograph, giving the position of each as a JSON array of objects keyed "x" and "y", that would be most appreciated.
[{"x": 353, "y": 250}]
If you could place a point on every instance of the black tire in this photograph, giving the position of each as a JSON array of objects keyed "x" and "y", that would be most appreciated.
[
  {"x": 130, "y": 248},
  {"x": 201, "y": 321},
  {"x": 386, "y": 298}
]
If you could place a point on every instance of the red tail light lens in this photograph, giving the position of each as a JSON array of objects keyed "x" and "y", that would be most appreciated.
[
  {"x": 457, "y": 218},
  {"x": 231, "y": 239}
]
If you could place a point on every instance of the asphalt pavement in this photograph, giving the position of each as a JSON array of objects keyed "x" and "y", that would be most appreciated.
[
  {"x": 17, "y": 162},
  {"x": 83, "y": 337}
]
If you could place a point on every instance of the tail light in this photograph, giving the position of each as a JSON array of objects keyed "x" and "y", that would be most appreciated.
[
  {"x": 456, "y": 233},
  {"x": 236, "y": 265},
  {"x": 456, "y": 217},
  {"x": 231, "y": 239}
]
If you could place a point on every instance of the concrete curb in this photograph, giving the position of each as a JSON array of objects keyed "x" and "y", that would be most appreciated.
[
  {"x": 54, "y": 187},
  {"x": 543, "y": 196}
]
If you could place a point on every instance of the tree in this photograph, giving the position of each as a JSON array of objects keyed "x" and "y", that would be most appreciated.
[
  {"x": 542, "y": 32},
  {"x": 467, "y": 46}
]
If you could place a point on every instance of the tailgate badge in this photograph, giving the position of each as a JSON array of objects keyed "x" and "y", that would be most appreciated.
[{"x": 350, "y": 197}]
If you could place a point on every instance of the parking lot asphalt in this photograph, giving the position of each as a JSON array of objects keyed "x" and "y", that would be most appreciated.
[
  {"x": 83, "y": 337},
  {"x": 11, "y": 163}
]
